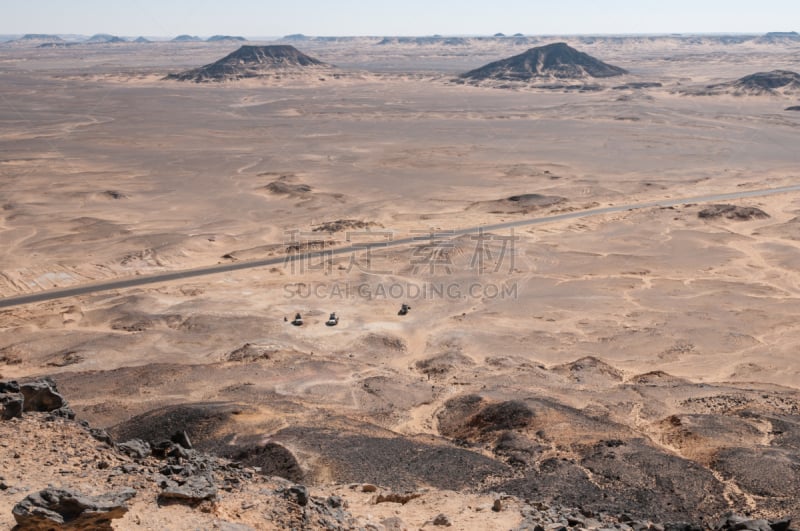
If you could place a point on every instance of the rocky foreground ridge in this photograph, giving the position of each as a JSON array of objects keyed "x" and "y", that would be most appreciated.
[{"x": 59, "y": 473}]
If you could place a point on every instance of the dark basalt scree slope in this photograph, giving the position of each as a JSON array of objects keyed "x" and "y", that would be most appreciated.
[
  {"x": 557, "y": 60},
  {"x": 250, "y": 62}
]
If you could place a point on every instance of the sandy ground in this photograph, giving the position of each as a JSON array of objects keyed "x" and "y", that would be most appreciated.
[{"x": 109, "y": 172}]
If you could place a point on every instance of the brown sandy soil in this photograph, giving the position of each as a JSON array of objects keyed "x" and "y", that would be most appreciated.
[{"x": 673, "y": 334}]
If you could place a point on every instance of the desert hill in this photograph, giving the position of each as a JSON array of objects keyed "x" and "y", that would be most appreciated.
[
  {"x": 163, "y": 479},
  {"x": 41, "y": 37},
  {"x": 34, "y": 39},
  {"x": 187, "y": 38},
  {"x": 104, "y": 38},
  {"x": 779, "y": 37},
  {"x": 226, "y": 38},
  {"x": 776, "y": 82},
  {"x": 251, "y": 62},
  {"x": 558, "y": 60}
]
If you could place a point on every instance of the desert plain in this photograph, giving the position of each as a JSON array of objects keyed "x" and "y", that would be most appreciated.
[{"x": 641, "y": 359}]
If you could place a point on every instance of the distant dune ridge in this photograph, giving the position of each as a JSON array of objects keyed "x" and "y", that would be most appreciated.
[
  {"x": 251, "y": 62},
  {"x": 557, "y": 60}
]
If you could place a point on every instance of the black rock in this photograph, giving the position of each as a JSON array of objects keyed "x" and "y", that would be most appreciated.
[
  {"x": 442, "y": 520},
  {"x": 164, "y": 449},
  {"x": 57, "y": 508},
  {"x": 9, "y": 387},
  {"x": 182, "y": 438},
  {"x": 748, "y": 525},
  {"x": 11, "y": 406},
  {"x": 136, "y": 448},
  {"x": 101, "y": 435},
  {"x": 681, "y": 526},
  {"x": 335, "y": 502},
  {"x": 298, "y": 494},
  {"x": 781, "y": 525},
  {"x": 42, "y": 396},
  {"x": 191, "y": 491}
]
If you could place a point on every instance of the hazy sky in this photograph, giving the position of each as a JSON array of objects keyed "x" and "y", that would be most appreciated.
[{"x": 399, "y": 17}]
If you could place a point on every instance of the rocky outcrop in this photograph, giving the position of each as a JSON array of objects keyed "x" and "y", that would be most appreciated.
[
  {"x": 136, "y": 448},
  {"x": 41, "y": 396},
  {"x": 190, "y": 490},
  {"x": 737, "y": 213},
  {"x": 64, "y": 509},
  {"x": 11, "y": 401}
]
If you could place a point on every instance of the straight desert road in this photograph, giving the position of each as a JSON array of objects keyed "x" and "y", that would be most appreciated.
[{"x": 87, "y": 289}]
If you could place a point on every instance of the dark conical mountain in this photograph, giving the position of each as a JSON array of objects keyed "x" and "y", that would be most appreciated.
[
  {"x": 251, "y": 62},
  {"x": 552, "y": 61}
]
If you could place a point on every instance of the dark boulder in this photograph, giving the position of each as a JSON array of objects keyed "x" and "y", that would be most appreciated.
[
  {"x": 9, "y": 387},
  {"x": 101, "y": 435},
  {"x": 189, "y": 491},
  {"x": 298, "y": 494},
  {"x": 63, "y": 509},
  {"x": 43, "y": 397},
  {"x": 136, "y": 448},
  {"x": 11, "y": 406},
  {"x": 182, "y": 438}
]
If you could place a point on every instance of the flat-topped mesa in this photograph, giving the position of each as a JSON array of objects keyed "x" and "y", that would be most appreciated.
[
  {"x": 251, "y": 62},
  {"x": 768, "y": 81},
  {"x": 779, "y": 37},
  {"x": 226, "y": 38},
  {"x": 557, "y": 60}
]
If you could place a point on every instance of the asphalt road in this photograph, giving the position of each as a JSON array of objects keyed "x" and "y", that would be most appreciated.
[{"x": 144, "y": 280}]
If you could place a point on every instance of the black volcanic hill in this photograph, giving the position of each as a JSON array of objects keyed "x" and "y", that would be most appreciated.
[
  {"x": 779, "y": 37},
  {"x": 775, "y": 82},
  {"x": 41, "y": 37},
  {"x": 226, "y": 38},
  {"x": 104, "y": 38},
  {"x": 251, "y": 62},
  {"x": 552, "y": 61},
  {"x": 187, "y": 38}
]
